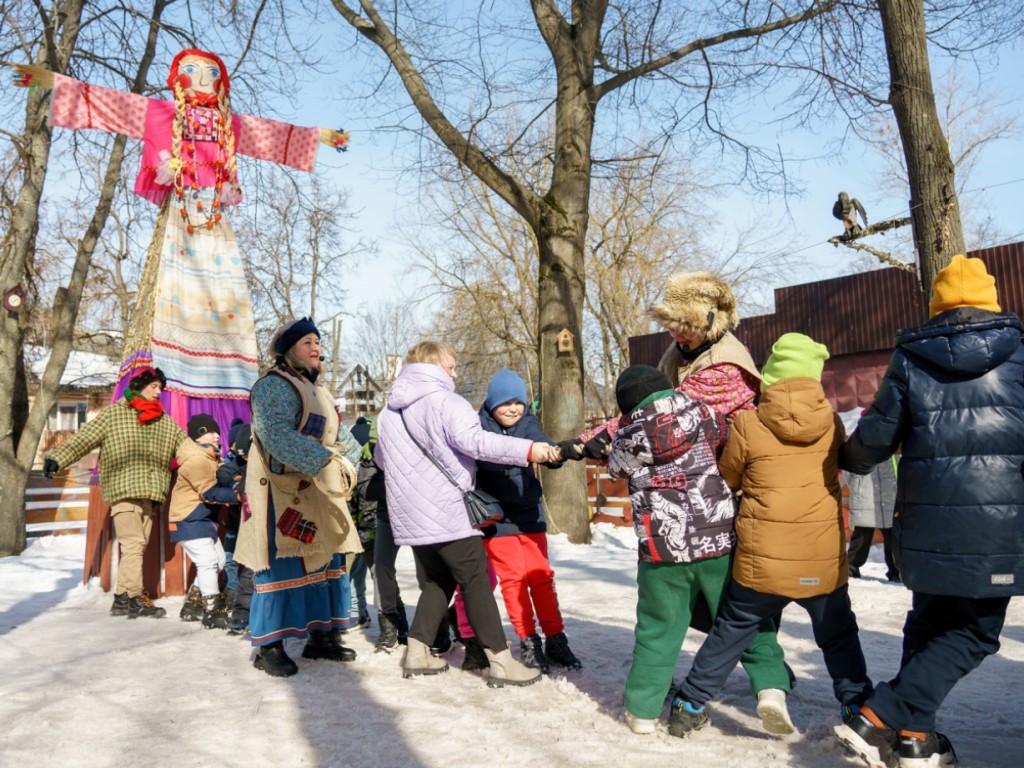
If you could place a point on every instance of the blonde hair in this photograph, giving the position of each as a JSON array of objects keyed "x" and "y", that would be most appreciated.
[
  {"x": 292, "y": 360},
  {"x": 429, "y": 352}
]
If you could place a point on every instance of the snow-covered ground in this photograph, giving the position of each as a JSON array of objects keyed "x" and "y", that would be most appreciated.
[{"x": 79, "y": 688}]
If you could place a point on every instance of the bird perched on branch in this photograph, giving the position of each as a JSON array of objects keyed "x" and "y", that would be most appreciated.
[{"x": 846, "y": 209}]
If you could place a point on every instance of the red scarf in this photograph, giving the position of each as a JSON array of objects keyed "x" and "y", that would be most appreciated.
[{"x": 149, "y": 410}]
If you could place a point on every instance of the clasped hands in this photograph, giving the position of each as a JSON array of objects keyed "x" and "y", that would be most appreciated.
[{"x": 597, "y": 447}]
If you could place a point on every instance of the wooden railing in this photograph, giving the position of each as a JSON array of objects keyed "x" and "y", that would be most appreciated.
[
  {"x": 608, "y": 497},
  {"x": 57, "y": 505}
]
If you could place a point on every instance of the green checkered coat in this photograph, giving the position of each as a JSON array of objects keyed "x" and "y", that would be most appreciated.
[{"x": 134, "y": 458}]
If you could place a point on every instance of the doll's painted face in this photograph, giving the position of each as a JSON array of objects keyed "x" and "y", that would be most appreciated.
[{"x": 199, "y": 75}]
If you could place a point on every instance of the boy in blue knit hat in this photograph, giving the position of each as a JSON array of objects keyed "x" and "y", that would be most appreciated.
[{"x": 517, "y": 545}]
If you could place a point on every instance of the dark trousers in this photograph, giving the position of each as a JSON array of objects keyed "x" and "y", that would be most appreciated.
[
  {"x": 739, "y": 617},
  {"x": 860, "y": 547},
  {"x": 944, "y": 638},
  {"x": 443, "y": 566},
  {"x": 383, "y": 571},
  {"x": 243, "y": 595}
]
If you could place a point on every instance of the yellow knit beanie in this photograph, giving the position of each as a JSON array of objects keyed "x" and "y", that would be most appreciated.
[{"x": 964, "y": 283}]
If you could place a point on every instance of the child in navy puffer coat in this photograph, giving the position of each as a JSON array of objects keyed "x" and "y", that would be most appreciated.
[{"x": 517, "y": 545}]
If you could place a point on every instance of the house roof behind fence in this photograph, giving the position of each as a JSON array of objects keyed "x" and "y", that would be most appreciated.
[{"x": 84, "y": 371}]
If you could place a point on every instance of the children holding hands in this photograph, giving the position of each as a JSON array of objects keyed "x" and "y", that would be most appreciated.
[{"x": 790, "y": 544}]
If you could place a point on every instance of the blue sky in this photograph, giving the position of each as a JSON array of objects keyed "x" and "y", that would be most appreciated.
[{"x": 383, "y": 197}]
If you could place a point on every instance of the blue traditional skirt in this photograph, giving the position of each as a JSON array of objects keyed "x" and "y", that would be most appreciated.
[{"x": 288, "y": 601}]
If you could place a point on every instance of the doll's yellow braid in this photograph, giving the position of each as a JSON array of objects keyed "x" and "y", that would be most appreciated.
[{"x": 230, "y": 165}]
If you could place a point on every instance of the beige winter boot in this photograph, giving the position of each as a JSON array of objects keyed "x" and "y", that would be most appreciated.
[
  {"x": 771, "y": 708},
  {"x": 507, "y": 671},
  {"x": 419, "y": 661}
]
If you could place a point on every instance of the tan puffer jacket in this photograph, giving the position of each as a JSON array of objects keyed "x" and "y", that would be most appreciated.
[{"x": 783, "y": 456}]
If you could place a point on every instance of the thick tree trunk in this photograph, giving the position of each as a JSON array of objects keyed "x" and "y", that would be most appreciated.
[
  {"x": 20, "y": 431},
  {"x": 935, "y": 210},
  {"x": 563, "y": 219},
  {"x": 560, "y": 293},
  {"x": 18, "y": 255}
]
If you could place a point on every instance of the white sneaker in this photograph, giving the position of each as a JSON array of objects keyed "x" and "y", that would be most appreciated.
[
  {"x": 641, "y": 725},
  {"x": 771, "y": 708}
]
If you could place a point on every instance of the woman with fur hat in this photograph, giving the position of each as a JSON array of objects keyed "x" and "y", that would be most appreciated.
[
  {"x": 137, "y": 441},
  {"x": 705, "y": 360},
  {"x": 296, "y": 526}
]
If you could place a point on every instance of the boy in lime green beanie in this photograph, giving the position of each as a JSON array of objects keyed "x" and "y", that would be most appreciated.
[{"x": 790, "y": 544}]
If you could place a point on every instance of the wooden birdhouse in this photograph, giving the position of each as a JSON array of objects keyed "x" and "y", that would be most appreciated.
[
  {"x": 14, "y": 299},
  {"x": 563, "y": 342}
]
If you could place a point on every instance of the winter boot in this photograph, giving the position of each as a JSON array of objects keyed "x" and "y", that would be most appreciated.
[
  {"x": 420, "y": 661},
  {"x": 325, "y": 645},
  {"x": 925, "y": 749},
  {"x": 215, "y": 613},
  {"x": 120, "y": 605},
  {"x": 388, "y": 637},
  {"x": 686, "y": 718},
  {"x": 274, "y": 661},
  {"x": 475, "y": 657},
  {"x": 192, "y": 609},
  {"x": 870, "y": 739},
  {"x": 402, "y": 623},
  {"x": 532, "y": 655},
  {"x": 557, "y": 649},
  {"x": 237, "y": 626},
  {"x": 771, "y": 708},
  {"x": 507, "y": 671},
  {"x": 143, "y": 606},
  {"x": 640, "y": 725}
]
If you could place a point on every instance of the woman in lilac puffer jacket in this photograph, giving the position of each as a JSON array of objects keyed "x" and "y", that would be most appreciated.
[{"x": 427, "y": 511}]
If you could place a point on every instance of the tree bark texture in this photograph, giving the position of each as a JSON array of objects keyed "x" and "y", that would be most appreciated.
[
  {"x": 16, "y": 267},
  {"x": 934, "y": 208},
  {"x": 17, "y": 449}
]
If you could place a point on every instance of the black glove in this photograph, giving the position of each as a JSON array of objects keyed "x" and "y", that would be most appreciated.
[
  {"x": 49, "y": 467},
  {"x": 598, "y": 447},
  {"x": 572, "y": 450}
]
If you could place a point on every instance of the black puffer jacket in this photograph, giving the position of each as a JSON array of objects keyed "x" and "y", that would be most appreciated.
[{"x": 953, "y": 396}]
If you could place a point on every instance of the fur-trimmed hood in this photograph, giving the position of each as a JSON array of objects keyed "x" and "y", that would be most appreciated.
[{"x": 699, "y": 303}]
